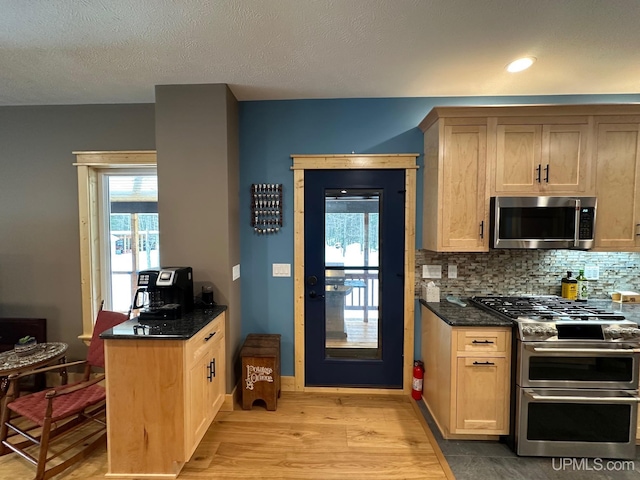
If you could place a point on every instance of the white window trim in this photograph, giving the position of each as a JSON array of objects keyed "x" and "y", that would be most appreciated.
[{"x": 88, "y": 165}]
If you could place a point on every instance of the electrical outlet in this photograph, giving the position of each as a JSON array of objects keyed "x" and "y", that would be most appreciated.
[
  {"x": 452, "y": 271},
  {"x": 592, "y": 272}
]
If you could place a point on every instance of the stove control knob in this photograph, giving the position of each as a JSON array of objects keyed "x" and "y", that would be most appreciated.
[{"x": 550, "y": 331}]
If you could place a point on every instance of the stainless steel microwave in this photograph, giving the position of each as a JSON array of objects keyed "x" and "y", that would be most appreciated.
[{"x": 543, "y": 222}]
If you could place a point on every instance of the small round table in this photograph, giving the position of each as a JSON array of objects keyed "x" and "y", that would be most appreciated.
[{"x": 44, "y": 354}]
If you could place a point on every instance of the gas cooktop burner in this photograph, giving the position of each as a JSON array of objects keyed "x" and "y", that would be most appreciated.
[{"x": 543, "y": 308}]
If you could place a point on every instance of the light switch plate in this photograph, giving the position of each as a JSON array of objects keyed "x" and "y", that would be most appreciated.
[
  {"x": 281, "y": 269},
  {"x": 432, "y": 271},
  {"x": 235, "y": 273}
]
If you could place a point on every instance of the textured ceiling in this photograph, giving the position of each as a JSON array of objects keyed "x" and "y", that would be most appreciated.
[{"x": 116, "y": 51}]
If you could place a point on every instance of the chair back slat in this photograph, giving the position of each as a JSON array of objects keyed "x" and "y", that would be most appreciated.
[{"x": 106, "y": 320}]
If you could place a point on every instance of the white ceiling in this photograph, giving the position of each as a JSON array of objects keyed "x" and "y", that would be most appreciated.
[{"x": 116, "y": 51}]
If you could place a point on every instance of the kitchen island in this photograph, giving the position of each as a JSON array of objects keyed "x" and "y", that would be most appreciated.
[{"x": 165, "y": 384}]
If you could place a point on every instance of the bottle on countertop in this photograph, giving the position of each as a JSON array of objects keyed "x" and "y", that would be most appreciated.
[
  {"x": 569, "y": 287},
  {"x": 583, "y": 287}
]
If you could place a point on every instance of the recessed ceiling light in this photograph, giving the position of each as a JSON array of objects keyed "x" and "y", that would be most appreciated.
[{"x": 520, "y": 64}]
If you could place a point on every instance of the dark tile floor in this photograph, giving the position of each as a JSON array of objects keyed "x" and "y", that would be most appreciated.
[{"x": 479, "y": 460}]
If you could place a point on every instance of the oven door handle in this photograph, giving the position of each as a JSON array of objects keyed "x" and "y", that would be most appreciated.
[
  {"x": 584, "y": 350},
  {"x": 572, "y": 398}
]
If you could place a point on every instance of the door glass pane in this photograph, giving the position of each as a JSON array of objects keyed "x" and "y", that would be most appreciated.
[
  {"x": 133, "y": 233},
  {"x": 352, "y": 245}
]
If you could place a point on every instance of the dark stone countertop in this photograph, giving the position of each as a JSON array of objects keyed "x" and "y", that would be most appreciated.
[
  {"x": 469, "y": 316},
  {"x": 472, "y": 316},
  {"x": 178, "y": 329}
]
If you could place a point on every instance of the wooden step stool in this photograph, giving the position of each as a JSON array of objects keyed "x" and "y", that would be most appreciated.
[{"x": 261, "y": 370}]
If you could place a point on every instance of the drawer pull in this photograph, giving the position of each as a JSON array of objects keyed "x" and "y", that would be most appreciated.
[
  {"x": 484, "y": 363},
  {"x": 485, "y": 342},
  {"x": 209, "y": 337}
]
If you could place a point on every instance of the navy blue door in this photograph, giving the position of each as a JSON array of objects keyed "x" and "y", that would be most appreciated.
[{"x": 354, "y": 277}]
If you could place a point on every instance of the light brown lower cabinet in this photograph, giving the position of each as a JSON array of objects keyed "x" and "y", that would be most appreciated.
[
  {"x": 162, "y": 396},
  {"x": 467, "y": 377}
]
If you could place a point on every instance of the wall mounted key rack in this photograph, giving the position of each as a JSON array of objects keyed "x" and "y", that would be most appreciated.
[{"x": 266, "y": 207}]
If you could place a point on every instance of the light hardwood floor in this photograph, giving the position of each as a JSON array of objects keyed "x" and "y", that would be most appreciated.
[{"x": 309, "y": 436}]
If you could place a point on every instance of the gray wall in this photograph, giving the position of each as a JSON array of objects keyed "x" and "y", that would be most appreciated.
[
  {"x": 39, "y": 247},
  {"x": 198, "y": 165}
]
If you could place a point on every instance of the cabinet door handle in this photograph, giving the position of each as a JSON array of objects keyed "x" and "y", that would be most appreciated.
[
  {"x": 539, "y": 173},
  {"x": 637, "y": 225},
  {"x": 482, "y": 341},
  {"x": 546, "y": 173},
  {"x": 209, "y": 337},
  {"x": 211, "y": 374},
  {"x": 482, "y": 229},
  {"x": 213, "y": 369},
  {"x": 484, "y": 363}
]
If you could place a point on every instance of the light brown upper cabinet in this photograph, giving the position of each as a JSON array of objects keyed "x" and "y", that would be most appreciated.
[
  {"x": 542, "y": 158},
  {"x": 617, "y": 183},
  {"x": 474, "y": 153},
  {"x": 455, "y": 208}
]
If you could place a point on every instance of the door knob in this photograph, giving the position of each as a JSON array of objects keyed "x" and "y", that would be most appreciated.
[{"x": 313, "y": 294}]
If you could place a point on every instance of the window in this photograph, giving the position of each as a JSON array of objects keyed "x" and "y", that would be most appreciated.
[
  {"x": 117, "y": 204},
  {"x": 128, "y": 212}
]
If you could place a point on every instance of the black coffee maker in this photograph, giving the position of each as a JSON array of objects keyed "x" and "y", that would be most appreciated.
[{"x": 164, "y": 294}]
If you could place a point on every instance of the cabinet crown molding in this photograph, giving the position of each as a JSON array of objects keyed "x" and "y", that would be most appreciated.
[{"x": 528, "y": 111}]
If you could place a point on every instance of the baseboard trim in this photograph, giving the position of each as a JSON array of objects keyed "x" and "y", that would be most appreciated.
[
  {"x": 288, "y": 384},
  {"x": 229, "y": 400}
]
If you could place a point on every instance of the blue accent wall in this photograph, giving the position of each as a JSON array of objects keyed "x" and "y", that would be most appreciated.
[{"x": 271, "y": 131}]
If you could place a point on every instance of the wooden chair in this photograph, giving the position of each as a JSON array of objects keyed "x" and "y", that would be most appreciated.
[{"x": 43, "y": 417}]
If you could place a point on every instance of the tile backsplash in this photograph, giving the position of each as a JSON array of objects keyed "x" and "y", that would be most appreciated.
[{"x": 528, "y": 272}]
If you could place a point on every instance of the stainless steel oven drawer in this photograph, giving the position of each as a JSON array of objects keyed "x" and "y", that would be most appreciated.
[
  {"x": 576, "y": 422},
  {"x": 580, "y": 365}
]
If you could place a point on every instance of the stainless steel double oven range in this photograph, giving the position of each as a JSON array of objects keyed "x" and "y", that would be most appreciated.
[{"x": 575, "y": 371}]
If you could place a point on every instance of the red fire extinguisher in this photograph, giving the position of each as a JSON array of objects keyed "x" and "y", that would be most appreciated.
[{"x": 418, "y": 375}]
